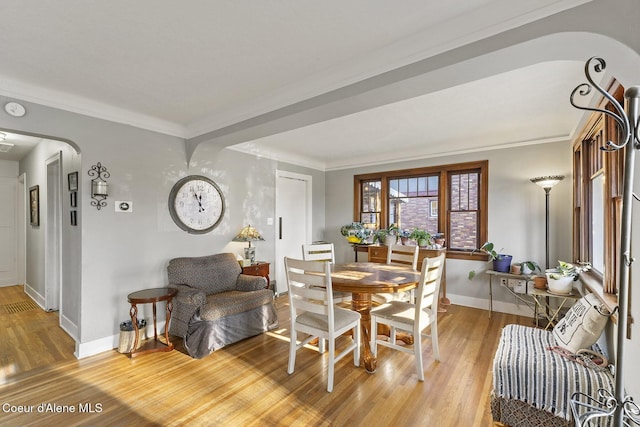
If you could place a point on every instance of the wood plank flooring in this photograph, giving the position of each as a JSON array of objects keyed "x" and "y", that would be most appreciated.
[{"x": 245, "y": 384}]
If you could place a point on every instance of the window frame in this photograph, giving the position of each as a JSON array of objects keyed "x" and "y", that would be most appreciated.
[
  {"x": 589, "y": 162},
  {"x": 443, "y": 171}
]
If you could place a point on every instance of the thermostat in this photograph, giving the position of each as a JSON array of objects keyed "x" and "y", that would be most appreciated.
[{"x": 123, "y": 206}]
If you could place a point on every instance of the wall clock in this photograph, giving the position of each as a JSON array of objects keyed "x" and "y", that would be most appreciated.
[{"x": 196, "y": 204}]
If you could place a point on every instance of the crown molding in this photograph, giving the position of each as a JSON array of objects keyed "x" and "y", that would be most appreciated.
[{"x": 79, "y": 105}]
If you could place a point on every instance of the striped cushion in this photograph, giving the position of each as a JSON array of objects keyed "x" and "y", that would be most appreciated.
[{"x": 525, "y": 369}]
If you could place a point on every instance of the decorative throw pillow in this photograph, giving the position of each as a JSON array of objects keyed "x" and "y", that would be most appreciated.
[{"x": 583, "y": 324}]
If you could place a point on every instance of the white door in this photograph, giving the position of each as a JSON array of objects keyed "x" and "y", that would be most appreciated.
[
  {"x": 8, "y": 232},
  {"x": 53, "y": 270},
  {"x": 293, "y": 220}
]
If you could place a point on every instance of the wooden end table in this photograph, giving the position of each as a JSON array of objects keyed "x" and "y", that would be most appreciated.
[
  {"x": 259, "y": 268},
  {"x": 151, "y": 296}
]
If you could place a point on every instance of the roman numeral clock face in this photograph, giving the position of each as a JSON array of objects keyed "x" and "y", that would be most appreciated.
[{"x": 196, "y": 204}]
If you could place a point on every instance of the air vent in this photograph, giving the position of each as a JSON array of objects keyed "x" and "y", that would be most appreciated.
[{"x": 5, "y": 147}]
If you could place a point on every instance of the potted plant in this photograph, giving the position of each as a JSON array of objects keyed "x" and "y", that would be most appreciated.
[
  {"x": 388, "y": 236},
  {"x": 422, "y": 237},
  {"x": 355, "y": 232},
  {"x": 560, "y": 279},
  {"x": 501, "y": 262},
  {"x": 404, "y": 236},
  {"x": 529, "y": 267}
]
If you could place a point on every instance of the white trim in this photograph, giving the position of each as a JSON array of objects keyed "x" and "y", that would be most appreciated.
[
  {"x": 34, "y": 295},
  {"x": 53, "y": 233}
]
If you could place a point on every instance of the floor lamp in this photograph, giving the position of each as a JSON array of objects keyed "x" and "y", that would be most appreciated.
[{"x": 547, "y": 183}]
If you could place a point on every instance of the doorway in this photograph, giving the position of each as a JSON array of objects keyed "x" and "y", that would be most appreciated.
[
  {"x": 53, "y": 225},
  {"x": 293, "y": 220}
]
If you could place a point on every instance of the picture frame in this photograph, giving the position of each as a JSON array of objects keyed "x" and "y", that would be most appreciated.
[
  {"x": 74, "y": 218},
  {"x": 73, "y": 181},
  {"x": 34, "y": 205},
  {"x": 73, "y": 199}
]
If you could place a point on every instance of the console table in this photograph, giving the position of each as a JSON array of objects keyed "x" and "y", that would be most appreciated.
[
  {"x": 540, "y": 298},
  {"x": 151, "y": 296}
]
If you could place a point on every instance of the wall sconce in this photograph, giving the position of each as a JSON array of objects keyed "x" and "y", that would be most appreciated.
[{"x": 99, "y": 187}]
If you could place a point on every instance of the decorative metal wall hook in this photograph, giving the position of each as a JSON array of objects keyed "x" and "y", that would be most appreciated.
[
  {"x": 598, "y": 65},
  {"x": 617, "y": 405},
  {"x": 99, "y": 186}
]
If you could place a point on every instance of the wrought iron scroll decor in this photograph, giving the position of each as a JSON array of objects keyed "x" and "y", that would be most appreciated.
[
  {"x": 99, "y": 187},
  {"x": 619, "y": 406}
]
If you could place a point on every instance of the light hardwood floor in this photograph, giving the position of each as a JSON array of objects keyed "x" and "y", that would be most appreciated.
[{"x": 245, "y": 383}]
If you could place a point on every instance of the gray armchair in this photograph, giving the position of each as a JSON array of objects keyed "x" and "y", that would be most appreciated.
[{"x": 216, "y": 305}]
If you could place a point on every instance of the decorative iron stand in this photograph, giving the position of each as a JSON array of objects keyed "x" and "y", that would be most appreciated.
[
  {"x": 99, "y": 187},
  {"x": 619, "y": 406}
]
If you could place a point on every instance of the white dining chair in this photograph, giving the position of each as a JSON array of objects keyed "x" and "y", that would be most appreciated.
[
  {"x": 399, "y": 255},
  {"x": 324, "y": 252},
  {"x": 318, "y": 252},
  {"x": 413, "y": 318},
  {"x": 314, "y": 313}
]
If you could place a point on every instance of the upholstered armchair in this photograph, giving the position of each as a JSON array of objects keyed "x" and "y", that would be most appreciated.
[{"x": 216, "y": 305}]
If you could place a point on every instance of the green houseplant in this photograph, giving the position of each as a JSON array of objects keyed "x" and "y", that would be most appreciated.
[
  {"x": 560, "y": 279},
  {"x": 422, "y": 237},
  {"x": 529, "y": 267},
  {"x": 501, "y": 262},
  {"x": 388, "y": 236}
]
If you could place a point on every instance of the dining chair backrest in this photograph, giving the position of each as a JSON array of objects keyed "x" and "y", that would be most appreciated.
[
  {"x": 318, "y": 252},
  {"x": 403, "y": 254},
  {"x": 310, "y": 287},
  {"x": 429, "y": 286}
]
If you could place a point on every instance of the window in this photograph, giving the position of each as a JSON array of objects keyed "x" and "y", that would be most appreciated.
[
  {"x": 597, "y": 202},
  {"x": 449, "y": 199},
  {"x": 370, "y": 203},
  {"x": 464, "y": 212}
]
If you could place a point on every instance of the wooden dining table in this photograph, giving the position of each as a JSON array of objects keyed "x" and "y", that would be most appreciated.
[{"x": 363, "y": 279}]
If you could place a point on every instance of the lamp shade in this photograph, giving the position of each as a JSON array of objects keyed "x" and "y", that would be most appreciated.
[
  {"x": 547, "y": 182},
  {"x": 248, "y": 234}
]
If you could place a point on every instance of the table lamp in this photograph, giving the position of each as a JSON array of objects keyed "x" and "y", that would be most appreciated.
[{"x": 249, "y": 234}]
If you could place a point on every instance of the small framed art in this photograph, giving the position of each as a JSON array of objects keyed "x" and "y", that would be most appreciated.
[
  {"x": 73, "y": 197},
  {"x": 34, "y": 205},
  {"x": 74, "y": 218},
  {"x": 73, "y": 181}
]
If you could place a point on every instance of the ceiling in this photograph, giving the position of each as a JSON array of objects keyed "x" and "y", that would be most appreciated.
[{"x": 193, "y": 69}]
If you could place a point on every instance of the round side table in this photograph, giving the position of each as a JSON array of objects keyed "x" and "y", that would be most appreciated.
[{"x": 151, "y": 296}]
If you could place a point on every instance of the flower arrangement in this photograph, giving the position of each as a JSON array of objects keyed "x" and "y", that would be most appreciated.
[{"x": 355, "y": 232}]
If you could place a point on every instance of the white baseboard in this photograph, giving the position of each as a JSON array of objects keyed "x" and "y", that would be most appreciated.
[
  {"x": 34, "y": 295},
  {"x": 69, "y": 327},
  {"x": 498, "y": 306},
  {"x": 109, "y": 343}
]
